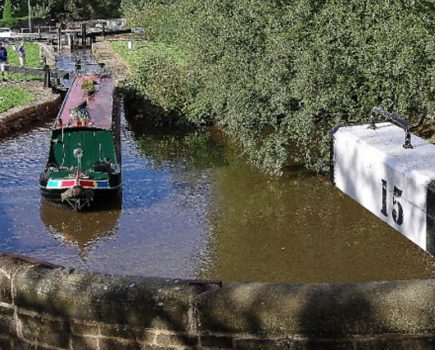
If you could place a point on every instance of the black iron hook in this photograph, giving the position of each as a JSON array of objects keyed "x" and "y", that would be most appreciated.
[{"x": 394, "y": 118}]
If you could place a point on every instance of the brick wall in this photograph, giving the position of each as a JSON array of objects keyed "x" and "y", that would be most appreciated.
[{"x": 48, "y": 307}]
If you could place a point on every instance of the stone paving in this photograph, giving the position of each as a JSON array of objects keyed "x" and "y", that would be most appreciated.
[{"x": 117, "y": 67}]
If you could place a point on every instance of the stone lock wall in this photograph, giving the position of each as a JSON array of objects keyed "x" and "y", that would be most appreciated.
[
  {"x": 43, "y": 306},
  {"x": 19, "y": 117}
]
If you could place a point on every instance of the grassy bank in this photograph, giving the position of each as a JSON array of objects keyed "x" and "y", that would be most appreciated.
[
  {"x": 11, "y": 97},
  {"x": 14, "y": 77},
  {"x": 32, "y": 55},
  {"x": 141, "y": 49},
  {"x": 32, "y": 61}
]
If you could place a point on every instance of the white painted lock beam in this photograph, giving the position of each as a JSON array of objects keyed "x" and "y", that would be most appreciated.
[{"x": 396, "y": 184}]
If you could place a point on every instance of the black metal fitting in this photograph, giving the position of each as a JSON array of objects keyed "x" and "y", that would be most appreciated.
[
  {"x": 205, "y": 283},
  {"x": 394, "y": 118}
]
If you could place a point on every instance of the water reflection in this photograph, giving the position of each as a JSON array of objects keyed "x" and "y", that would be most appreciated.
[
  {"x": 182, "y": 148},
  {"x": 299, "y": 228},
  {"x": 79, "y": 229}
]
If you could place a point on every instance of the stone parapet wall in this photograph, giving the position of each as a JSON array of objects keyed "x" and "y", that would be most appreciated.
[{"x": 48, "y": 307}]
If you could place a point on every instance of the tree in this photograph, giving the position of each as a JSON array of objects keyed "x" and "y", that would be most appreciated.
[
  {"x": 278, "y": 75},
  {"x": 8, "y": 10}
]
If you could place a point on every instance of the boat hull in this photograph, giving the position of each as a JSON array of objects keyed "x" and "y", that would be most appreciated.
[
  {"x": 55, "y": 195},
  {"x": 77, "y": 196}
]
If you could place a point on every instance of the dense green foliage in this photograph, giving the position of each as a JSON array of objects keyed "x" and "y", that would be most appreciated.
[
  {"x": 155, "y": 64},
  {"x": 62, "y": 9},
  {"x": 91, "y": 9},
  {"x": 7, "y": 10},
  {"x": 83, "y": 9},
  {"x": 277, "y": 75},
  {"x": 14, "y": 96}
]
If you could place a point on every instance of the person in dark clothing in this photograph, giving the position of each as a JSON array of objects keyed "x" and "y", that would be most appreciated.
[{"x": 3, "y": 59}]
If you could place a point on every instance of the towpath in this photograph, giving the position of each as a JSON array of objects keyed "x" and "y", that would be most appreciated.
[{"x": 103, "y": 53}]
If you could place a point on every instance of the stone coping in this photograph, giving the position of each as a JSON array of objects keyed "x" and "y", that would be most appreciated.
[{"x": 197, "y": 308}]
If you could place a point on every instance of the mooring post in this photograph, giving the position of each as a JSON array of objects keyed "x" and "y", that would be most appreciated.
[
  {"x": 388, "y": 175},
  {"x": 59, "y": 33},
  {"x": 78, "y": 65},
  {"x": 83, "y": 34},
  {"x": 70, "y": 42},
  {"x": 47, "y": 75}
]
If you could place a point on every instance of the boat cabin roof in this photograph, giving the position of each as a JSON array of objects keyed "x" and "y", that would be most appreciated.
[{"x": 88, "y": 103}]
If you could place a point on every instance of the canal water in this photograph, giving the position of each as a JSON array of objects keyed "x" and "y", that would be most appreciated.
[{"x": 193, "y": 208}]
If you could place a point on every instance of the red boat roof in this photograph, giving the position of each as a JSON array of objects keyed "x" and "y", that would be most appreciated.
[{"x": 94, "y": 111}]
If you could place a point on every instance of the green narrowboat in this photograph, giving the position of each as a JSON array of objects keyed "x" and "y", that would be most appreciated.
[{"x": 84, "y": 161}]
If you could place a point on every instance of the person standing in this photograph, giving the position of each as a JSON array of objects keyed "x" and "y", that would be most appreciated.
[
  {"x": 22, "y": 54},
  {"x": 3, "y": 59}
]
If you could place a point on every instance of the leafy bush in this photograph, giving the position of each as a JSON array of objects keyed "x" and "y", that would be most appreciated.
[
  {"x": 160, "y": 75},
  {"x": 277, "y": 75}
]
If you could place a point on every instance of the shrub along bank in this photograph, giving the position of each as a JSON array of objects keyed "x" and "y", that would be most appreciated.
[{"x": 277, "y": 75}]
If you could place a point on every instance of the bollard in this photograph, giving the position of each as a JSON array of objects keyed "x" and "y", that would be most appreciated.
[
  {"x": 394, "y": 182},
  {"x": 59, "y": 33},
  {"x": 83, "y": 34},
  {"x": 47, "y": 75},
  {"x": 70, "y": 42}
]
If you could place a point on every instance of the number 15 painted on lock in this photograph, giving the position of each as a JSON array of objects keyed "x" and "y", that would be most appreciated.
[{"x": 397, "y": 211}]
